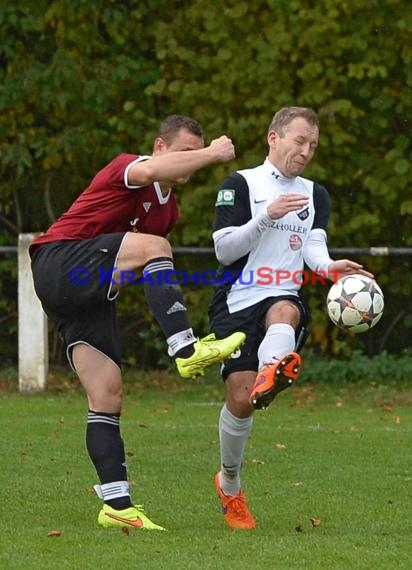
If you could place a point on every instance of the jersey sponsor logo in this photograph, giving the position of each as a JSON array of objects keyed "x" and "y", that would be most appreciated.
[
  {"x": 289, "y": 228},
  {"x": 259, "y": 201},
  {"x": 303, "y": 214},
  {"x": 134, "y": 222},
  {"x": 225, "y": 198},
  {"x": 295, "y": 242},
  {"x": 146, "y": 206}
]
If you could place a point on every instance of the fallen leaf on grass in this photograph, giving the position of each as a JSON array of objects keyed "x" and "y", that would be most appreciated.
[
  {"x": 125, "y": 530},
  {"x": 54, "y": 533},
  {"x": 281, "y": 446},
  {"x": 315, "y": 522},
  {"x": 258, "y": 461},
  {"x": 397, "y": 420}
]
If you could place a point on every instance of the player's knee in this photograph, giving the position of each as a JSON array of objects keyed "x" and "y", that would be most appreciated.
[
  {"x": 107, "y": 397},
  {"x": 159, "y": 247},
  {"x": 285, "y": 312},
  {"x": 146, "y": 247},
  {"x": 239, "y": 403}
]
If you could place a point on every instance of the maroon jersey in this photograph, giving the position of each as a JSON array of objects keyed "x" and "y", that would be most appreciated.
[{"x": 111, "y": 205}]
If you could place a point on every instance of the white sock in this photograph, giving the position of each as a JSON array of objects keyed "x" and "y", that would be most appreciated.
[
  {"x": 278, "y": 341},
  {"x": 179, "y": 340},
  {"x": 233, "y": 434},
  {"x": 115, "y": 490}
]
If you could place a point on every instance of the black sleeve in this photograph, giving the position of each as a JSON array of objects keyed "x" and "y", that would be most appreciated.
[
  {"x": 232, "y": 208},
  {"x": 321, "y": 202}
]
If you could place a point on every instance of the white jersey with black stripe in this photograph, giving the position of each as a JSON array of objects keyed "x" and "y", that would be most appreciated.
[{"x": 267, "y": 256}]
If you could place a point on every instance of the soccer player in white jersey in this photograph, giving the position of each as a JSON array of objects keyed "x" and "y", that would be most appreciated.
[{"x": 269, "y": 223}]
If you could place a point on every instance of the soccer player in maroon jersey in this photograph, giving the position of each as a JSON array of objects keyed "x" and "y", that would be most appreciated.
[{"x": 116, "y": 228}]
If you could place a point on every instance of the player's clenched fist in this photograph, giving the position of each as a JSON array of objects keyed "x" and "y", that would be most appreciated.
[{"x": 223, "y": 149}]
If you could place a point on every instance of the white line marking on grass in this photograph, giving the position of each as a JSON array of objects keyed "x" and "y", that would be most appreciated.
[{"x": 205, "y": 404}]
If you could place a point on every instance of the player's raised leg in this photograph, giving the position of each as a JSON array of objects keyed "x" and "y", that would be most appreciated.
[
  {"x": 273, "y": 378},
  {"x": 153, "y": 255},
  {"x": 279, "y": 365}
]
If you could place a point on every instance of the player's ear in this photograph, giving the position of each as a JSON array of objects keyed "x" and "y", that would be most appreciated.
[
  {"x": 159, "y": 145},
  {"x": 272, "y": 138}
]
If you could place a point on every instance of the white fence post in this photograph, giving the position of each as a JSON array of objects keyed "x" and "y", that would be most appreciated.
[{"x": 32, "y": 323}]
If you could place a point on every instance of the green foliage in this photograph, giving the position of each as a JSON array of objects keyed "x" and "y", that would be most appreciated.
[
  {"x": 357, "y": 368},
  {"x": 345, "y": 80},
  {"x": 82, "y": 80}
]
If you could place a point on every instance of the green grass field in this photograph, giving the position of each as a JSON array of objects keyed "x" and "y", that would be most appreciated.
[{"x": 328, "y": 475}]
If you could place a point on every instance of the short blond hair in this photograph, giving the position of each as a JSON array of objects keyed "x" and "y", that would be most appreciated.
[{"x": 284, "y": 116}]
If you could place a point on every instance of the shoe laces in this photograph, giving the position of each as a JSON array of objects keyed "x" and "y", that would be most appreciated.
[
  {"x": 237, "y": 506},
  {"x": 209, "y": 338}
]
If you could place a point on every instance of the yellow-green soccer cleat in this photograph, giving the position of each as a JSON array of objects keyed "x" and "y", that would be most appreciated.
[
  {"x": 126, "y": 518},
  {"x": 209, "y": 351}
]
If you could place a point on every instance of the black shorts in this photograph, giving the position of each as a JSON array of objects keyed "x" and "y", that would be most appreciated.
[
  {"x": 251, "y": 321},
  {"x": 72, "y": 281}
]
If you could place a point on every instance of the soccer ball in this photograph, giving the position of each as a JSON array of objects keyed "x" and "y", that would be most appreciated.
[{"x": 355, "y": 303}]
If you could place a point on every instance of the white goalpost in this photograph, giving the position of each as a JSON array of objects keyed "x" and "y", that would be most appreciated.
[{"x": 32, "y": 325}]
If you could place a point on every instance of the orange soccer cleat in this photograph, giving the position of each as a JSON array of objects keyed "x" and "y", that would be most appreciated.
[
  {"x": 235, "y": 509},
  {"x": 273, "y": 378}
]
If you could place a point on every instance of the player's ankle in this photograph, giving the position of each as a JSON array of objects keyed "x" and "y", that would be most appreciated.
[
  {"x": 185, "y": 352},
  {"x": 120, "y": 503}
]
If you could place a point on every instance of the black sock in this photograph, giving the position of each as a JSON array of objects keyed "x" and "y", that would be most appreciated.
[
  {"x": 185, "y": 352},
  {"x": 106, "y": 450},
  {"x": 167, "y": 304},
  {"x": 120, "y": 503}
]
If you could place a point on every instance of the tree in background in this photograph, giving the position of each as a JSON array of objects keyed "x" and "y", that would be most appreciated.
[{"x": 83, "y": 80}]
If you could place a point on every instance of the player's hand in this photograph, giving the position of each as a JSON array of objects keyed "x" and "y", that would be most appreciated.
[
  {"x": 342, "y": 267},
  {"x": 286, "y": 203},
  {"x": 223, "y": 149}
]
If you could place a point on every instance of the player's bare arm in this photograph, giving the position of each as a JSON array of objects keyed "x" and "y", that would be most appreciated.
[
  {"x": 286, "y": 203},
  {"x": 177, "y": 165}
]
